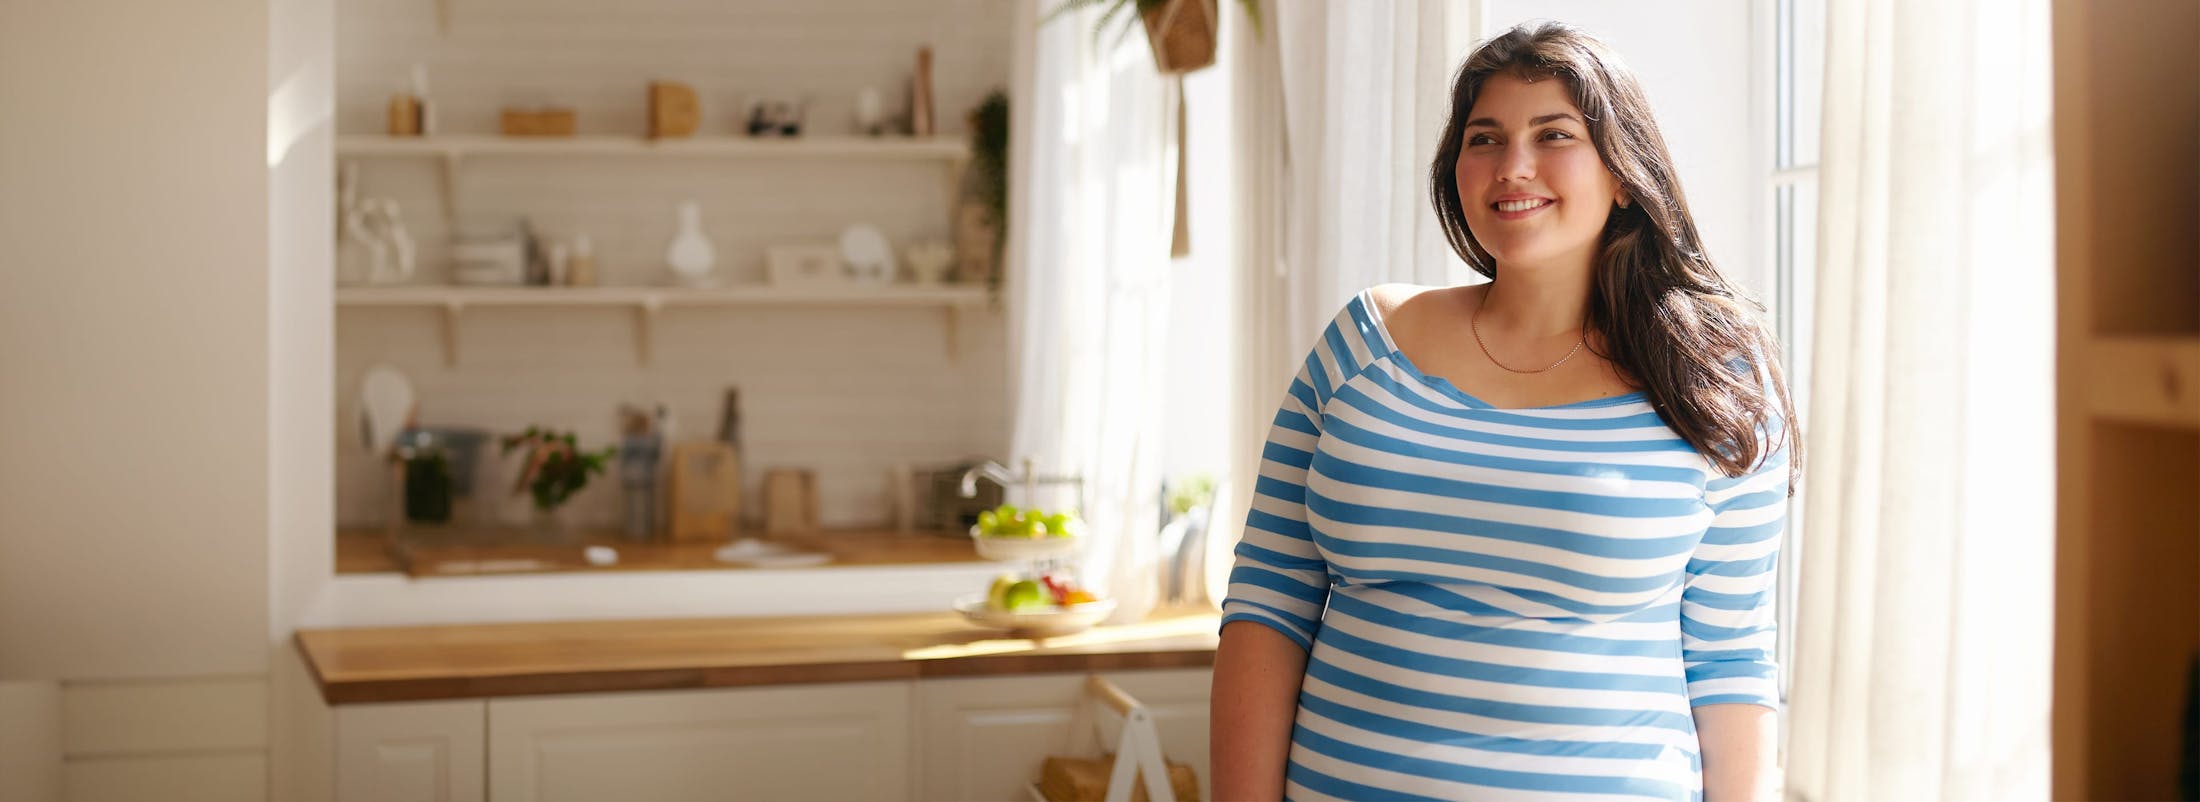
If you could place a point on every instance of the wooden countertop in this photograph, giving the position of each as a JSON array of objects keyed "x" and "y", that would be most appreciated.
[
  {"x": 390, "y": 664},
  {"x": 432, "y": 553}
]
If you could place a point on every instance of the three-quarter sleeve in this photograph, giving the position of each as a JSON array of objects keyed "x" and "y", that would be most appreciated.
[
  {"x": 1728, "y": 624},
  {"x": 1280, "y": 579}
]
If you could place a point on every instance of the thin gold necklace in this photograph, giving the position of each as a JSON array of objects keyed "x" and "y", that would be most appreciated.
[{"x": 1477, "y": 313}]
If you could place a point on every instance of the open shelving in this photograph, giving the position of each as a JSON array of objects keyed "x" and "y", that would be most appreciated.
[{"x": 646, "y": 302}]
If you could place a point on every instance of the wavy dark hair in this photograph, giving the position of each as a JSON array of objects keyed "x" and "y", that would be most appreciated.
[{"x": 1697, "y": 343}]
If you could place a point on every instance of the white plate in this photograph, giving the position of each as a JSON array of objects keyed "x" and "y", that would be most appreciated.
[
  {"x": 1051, "y": 621},
  {"x": 1023, "y": 548},
  {"x": 869, "y": 256}
]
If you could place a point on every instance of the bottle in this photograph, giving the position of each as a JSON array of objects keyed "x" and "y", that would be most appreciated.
[
  {"x": 580, "y": 270},
  {"x": 423, "y": 108}
]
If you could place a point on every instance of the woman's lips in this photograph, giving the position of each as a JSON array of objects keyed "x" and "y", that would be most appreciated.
[{"x": 1522, "y": 208}]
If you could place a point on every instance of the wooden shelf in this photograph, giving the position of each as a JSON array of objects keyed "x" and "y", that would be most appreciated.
[
  {"x": 2145, "y": 380},
  {"x": 945, "y": 149},
  {"x": 645, "y": 302}
]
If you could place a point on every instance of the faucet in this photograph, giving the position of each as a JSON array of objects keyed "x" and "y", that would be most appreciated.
[{"x": 1030, "y": 480}]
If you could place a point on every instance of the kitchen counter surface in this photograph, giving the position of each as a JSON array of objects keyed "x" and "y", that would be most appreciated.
[
  {"x": 433, "y": 553},
  {"x": 390, "y": 664}
]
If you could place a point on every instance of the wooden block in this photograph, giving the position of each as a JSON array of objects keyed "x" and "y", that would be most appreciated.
[
  {"x": 538, "y": 122},
  {"x": 790, "y": 501},
  {"x": 673, "y": 109},
  {"x": 404, "y": 115},
  {"x": 703, "y": 492}
]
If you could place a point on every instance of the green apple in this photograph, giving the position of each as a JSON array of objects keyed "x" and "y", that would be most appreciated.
[
  {"x": 996, "y": 597},
  {"x": 1025, "y": 596}
]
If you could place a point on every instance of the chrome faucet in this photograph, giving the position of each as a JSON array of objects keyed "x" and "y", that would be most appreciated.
[{"x": 1030, "y": 480}]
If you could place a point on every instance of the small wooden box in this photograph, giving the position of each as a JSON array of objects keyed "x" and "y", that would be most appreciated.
[
  {"x": 673, "y": 110},
  {"x": 538, "y": 122}
]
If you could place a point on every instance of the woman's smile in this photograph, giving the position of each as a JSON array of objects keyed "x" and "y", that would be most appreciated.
[{"x": 1521, "y": 207}]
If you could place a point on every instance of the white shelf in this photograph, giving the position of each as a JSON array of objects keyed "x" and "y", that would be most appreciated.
[
  {"x": 946, "y": 149},
  {"x": 644, "y": 302},
  {"x": 450, "y": 152},
  {"x": 655, "y": 297}
]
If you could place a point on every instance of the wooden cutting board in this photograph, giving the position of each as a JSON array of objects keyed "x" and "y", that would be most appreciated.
[{"x": 703, "y": 492}]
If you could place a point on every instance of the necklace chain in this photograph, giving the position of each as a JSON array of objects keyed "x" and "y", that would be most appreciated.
[{"x": 1477, "y": 313}]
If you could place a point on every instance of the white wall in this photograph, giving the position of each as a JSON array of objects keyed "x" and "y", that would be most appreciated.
[
  {"x": 1697, "y": 63},
  {"x": 133, "y": 339},
  {"x": 847, "y": 393},
  {"x": 135, "y": 405}
]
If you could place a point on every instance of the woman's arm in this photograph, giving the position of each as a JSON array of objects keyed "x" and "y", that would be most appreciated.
[
  {"x": 1728, "y": 631},
  {"x": 1738, "y": 743},
  {"x": 1256, "y": 696}
]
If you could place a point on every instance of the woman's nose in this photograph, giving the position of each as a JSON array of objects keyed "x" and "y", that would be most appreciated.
[{"x": 1517, "y": 164}]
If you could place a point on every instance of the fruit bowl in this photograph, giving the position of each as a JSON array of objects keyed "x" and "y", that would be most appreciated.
[
  {"x": 1059, "y": 620},
  {"x": 1018, "y": 547}
]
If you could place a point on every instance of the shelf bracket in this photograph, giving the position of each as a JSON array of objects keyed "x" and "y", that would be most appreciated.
[
  {"x": 954, "y": 332},
  {"x": 450, "y": 332},
  {"x": 447, "y": 182},
  {"x": 645, "y": 315}
]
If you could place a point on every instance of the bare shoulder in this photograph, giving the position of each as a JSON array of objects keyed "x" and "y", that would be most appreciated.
[{"x": 1404, "y": 305}]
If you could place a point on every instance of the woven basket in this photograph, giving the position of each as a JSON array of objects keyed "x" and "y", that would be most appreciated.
[
  {"x": 1071, "y": 779},
  {"x": 1182, "y": 33}
]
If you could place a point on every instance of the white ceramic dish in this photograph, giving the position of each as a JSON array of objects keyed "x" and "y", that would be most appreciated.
[
  {"x": 1051, "y": 621},
  {"x": 1023, "y": 548}
]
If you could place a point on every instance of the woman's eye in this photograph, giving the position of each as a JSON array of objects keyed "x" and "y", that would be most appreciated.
[
  {"x": 1551, "y": 135},
  {"x": 1480, "y": 139}
]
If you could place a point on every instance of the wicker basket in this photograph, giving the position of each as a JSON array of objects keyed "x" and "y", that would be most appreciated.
[
  {"x": 1182, "y": 33},
  {"x": 1073, "y": 779}
]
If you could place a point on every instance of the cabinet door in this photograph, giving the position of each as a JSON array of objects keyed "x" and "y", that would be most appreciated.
[
  {"x": 811, "y": 742},
  {"x": 984, "y": 738},
  {"x": 424, "y": 751}
]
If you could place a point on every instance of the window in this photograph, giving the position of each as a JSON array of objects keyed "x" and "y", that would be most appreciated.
[{"x": 1798, "y": 89}]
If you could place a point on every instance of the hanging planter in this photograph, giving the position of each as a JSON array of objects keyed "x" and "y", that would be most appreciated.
[{"x": 1182, "y": 33}]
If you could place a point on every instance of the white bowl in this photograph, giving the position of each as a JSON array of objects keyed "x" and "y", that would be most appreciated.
[
  {"x": 1023, "y": 548},
  {"x": 1036, "y": 623}
]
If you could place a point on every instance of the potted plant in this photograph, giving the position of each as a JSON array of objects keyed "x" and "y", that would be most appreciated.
[
  {"x": 985, "y": 192},
  {"x": 556, "y": 469},
  {"x": 1182, "y": 33}
]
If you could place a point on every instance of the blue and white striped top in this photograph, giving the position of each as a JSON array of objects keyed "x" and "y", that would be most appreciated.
[{"x": 1500, "y": 604}]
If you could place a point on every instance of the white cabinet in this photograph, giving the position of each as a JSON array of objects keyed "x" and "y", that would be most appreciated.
[
  {"x": 984, "y": 738},
  {"x": 411, "y": 752},
  {"x": 980, "y": 738},
  {"x": 803, "y": 742}
]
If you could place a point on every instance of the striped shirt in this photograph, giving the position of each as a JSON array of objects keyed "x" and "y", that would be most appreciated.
[{"x": 1500, "y": 604}]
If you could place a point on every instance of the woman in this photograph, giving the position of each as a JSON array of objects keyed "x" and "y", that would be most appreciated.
[{"x": 1516, "y": 540}]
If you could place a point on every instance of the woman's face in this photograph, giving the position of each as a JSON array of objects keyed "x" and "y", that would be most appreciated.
[{"x": 1534, "y": 190}]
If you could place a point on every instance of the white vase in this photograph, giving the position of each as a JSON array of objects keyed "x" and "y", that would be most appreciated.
[{"x": 691, "y": 255}]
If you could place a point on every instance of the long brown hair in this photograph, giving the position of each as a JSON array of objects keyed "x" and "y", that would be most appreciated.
[{"x": 1670, "y": 319}]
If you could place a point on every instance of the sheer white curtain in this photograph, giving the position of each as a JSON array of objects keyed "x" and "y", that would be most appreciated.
[
  {"x": 1089, "y": 283},
  {"x": 1339, "y": 106},
  {"x": 1923, "y": 632},
  {"x": 1365, "y": 89}
]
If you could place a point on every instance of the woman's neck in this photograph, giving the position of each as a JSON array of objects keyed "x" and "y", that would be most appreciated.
[{"x": 1536, "y": 303}]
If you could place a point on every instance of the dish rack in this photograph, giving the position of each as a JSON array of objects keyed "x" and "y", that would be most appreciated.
[{"x": 1137, "y": 750}]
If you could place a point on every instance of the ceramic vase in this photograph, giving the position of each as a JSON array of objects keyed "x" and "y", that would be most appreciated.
[{"x": 691, "y": 255}]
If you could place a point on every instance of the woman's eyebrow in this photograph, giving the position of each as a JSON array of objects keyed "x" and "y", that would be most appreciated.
[{"x": 1486, "y": 122}]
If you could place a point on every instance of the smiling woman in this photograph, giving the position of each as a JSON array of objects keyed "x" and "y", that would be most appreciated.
[{"x": 1516, "y": 540}]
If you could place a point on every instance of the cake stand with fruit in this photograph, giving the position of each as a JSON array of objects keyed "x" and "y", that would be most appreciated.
[{"x": 1040, "y": 599}]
